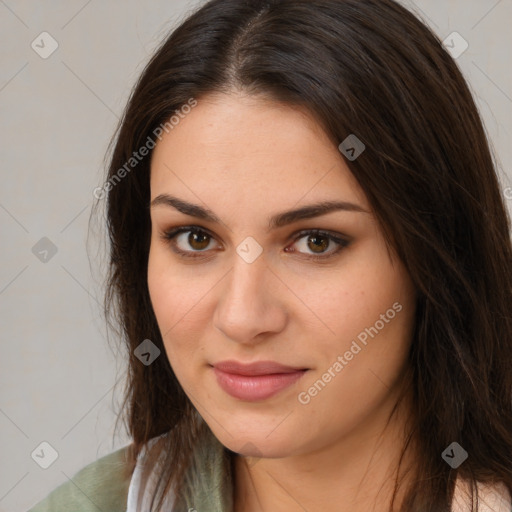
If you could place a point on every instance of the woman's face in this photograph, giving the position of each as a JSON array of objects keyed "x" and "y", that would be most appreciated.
[{"x": 247, "y": 288}]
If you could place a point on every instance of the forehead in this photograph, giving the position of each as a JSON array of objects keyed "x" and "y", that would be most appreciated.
[{"x": 251, "y": 152}]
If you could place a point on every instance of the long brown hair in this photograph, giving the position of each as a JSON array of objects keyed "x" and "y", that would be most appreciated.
[{"x": 369, "y": 68}]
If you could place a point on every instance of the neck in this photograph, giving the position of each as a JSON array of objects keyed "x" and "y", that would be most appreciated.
[{"x": 356, "y": 473}]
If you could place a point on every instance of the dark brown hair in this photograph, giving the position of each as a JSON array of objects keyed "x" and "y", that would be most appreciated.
[{"x": 370, "y": 68}]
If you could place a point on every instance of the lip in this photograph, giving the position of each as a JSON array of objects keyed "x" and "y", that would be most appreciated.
[{"x": 255, "y": 381}]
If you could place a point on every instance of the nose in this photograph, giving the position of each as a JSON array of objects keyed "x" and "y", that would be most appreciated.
[{"x": 251, "y": 302}]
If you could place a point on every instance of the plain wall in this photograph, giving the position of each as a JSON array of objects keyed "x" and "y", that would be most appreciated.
[{"x": 57, "y": 115}]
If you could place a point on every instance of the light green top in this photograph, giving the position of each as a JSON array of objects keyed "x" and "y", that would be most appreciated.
[
  {"x": 101, "y": 486},
  {"x": 104, "y": 485}
]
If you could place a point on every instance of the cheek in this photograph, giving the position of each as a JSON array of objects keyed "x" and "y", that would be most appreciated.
[
  {"x": 162, "y": 289},
  {"x": 179, "y": 299},
  {"x": 353, "y": 298},
  {"x": 170, "y": 292},
  {"x": 373, "y": 351},
  {"x": 168, "y": 296},
  {"x": 369, "y": 311}
]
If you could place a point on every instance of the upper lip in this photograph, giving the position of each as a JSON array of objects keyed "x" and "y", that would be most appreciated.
[{"x": 256, "y": 368}]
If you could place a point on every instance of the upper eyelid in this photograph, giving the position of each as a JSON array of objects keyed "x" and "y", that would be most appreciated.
[{"x": 336, "y": 237}]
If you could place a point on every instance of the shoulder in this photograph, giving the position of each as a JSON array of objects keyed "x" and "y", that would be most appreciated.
[
  {"x": 101, "y": 485},
  {"x": 491, "y": 498}
]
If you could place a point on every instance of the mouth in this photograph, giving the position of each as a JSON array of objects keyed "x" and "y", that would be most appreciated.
[{"x": 255, "y": 381}]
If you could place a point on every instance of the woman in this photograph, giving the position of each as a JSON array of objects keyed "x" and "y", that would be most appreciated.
[{"x": 310, "y": 263}]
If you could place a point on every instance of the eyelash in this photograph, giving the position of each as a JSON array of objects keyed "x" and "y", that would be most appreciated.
[{"x": 170, "y": 235}]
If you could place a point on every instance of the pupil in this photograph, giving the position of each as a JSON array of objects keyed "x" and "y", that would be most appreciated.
[
  {"x": 198, "y": 240},
  {"x": 315, "y": 239}
]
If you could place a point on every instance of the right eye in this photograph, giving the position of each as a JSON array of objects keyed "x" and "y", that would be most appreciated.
[{"x": 188, "y": 241}]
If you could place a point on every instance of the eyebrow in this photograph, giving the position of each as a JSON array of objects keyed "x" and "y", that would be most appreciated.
[{"x": 277, "y": 221}]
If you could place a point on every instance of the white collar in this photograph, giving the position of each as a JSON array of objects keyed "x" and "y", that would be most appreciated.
[{"x": 149, "y": 490}]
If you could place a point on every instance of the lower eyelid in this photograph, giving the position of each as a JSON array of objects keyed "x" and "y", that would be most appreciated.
[
  {"x": 171, "y": 235},
  {"x": 339, "y": 243},
  {"x": 174, "y": 240}
]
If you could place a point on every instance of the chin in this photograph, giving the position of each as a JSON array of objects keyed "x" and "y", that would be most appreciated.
[{"x": 257, "y": 444}]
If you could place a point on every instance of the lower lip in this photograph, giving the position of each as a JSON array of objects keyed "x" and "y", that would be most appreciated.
[{"x": 255, "y": 387}]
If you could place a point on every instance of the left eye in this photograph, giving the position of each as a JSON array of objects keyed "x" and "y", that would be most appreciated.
[{"x": 318, "y": 242}]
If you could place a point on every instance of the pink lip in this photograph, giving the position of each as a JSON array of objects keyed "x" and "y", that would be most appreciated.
[{"x": 255, "y": 381}]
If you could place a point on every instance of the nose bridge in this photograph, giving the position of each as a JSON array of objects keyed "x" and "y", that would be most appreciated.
[
  {"x": 248, "y": 304},
  {"x": 247, "y": 286},
  {"x": 247, "y": 272}
]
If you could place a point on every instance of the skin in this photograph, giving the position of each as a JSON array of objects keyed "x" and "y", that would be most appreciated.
[{"x": 245, "y": 159}]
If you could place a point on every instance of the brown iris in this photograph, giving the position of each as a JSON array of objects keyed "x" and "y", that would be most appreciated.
[
  {"x": 320, "y": 243},
  {"x": 198, "y": 241}
]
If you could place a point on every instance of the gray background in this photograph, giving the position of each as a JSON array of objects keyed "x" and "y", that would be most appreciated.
[{"x": 58, "y": 374}]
